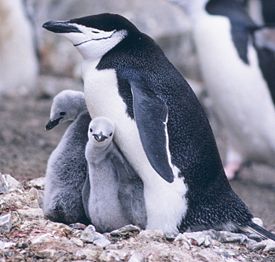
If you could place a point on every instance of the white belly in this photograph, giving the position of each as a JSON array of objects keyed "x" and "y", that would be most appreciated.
[
  {"x": 238, "y": 91},
  {"x": 165, "y": 203}
]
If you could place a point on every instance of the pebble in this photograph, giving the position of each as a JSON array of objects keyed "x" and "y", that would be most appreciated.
[
  {"x": 89, "y": 235},
  {"x": 4, "y": 244},
  {"x": 38, "y": 183},
  {"x": 125, "y": 232},
  {"x": 9, "y": 184},
  {"x": 3, "y": 185},
  {"x": 136, "y": 257},
  {"x": 5, "y": 223},
  {"x": 41, "y": 239},
  {"x": 87, "y": 254},
  {"x": 113, "y": 255}
]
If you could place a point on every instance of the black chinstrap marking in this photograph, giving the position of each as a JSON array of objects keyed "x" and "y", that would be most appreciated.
[{"x": 96, "y": 39}]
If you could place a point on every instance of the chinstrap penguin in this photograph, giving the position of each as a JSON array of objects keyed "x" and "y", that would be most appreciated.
[
  {"x": 113, "y": 192},
  {"x": 19, "y": 64},
  {"x": 67, "y": 167},
  {"x": 237, "y": 64},
  {"x": 162, "y": 129}
]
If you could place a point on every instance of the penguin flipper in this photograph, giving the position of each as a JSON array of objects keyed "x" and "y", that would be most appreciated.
[
  {"x": 85, "y": 196},
  {"x": 151, "y": 115}
]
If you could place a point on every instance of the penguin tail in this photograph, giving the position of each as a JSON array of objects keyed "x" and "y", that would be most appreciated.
[{"x": 260, "y": 231}]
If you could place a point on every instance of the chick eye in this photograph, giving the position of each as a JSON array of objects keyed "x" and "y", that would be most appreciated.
[
  {"x": 110, "y": 134},
  {"x": 62, "y": 113},
  {"x": 96, "y": 32},
  {"x": 91, "y": 130}
]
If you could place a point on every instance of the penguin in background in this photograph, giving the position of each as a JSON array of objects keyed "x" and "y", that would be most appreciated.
[
  {"x": 19, "y": 64},
  {"x": 238, "y": 65},
  {"x": 67, "y": 167},
  {"x": 162, "y": 129},
  {"x": 262, "y": 11}
]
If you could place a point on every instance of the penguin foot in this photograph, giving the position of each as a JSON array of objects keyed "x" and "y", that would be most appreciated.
[
  {"x": 267, "y": 245},
  {"x": 232, "y": 169},
  {"x": 202, "y": 238},
  {"x": 207, "y": 238}
]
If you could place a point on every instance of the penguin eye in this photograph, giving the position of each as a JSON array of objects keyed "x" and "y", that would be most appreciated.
[
  {"x": 62, "y": 113},
  {"x": 91, "y": 130},
  {"x": 110, "y": 134}
]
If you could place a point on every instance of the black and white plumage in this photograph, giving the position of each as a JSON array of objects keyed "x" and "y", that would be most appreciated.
[
  {"x": 67, "y": 167},
  {"x": 237, "y": 63},
  {"x": 113, "y": 192},
  {"x": 162, "y": 129},
  {"x": 262, "y": 11}
]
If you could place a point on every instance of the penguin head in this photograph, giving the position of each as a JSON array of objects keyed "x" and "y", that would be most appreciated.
[
  {"x": 93, "y": 35},
  {"x": 101, "y": 131},
  {"x": 66, "y": 106}
]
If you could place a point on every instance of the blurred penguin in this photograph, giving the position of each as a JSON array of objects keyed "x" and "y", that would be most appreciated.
[
  {"x": 262, "y": 11},
  {"x": 19, "y": 66},
  {"x": 238, "y": 70}
]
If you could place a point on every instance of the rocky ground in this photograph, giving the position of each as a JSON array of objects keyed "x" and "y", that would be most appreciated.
[{"x": 27, "y": 236}]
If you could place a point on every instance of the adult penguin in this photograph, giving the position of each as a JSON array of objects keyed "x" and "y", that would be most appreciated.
[
  {"x": 238, "y": 64},
  {"x": 161, "y": 128}
]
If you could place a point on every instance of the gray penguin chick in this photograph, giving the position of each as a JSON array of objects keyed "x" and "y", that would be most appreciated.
[
  {"x": 117, "y": 198},
  {"x": 67, "y": 166}
]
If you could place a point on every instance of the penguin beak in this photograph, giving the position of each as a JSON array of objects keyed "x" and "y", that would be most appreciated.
[
  {"x": 61, "y": 27},
  {"x": 99, "y": 137},
  {"x": 52, "y": 123}
]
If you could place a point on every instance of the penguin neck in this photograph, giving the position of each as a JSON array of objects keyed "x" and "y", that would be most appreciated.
[
  {"x": 81, "y": 106},
  {"x": 96, "y": 154},
  {"x": 88, "y": 64}
]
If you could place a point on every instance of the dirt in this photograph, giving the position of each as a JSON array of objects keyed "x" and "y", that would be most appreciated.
[{"x": 25, "y": 147}]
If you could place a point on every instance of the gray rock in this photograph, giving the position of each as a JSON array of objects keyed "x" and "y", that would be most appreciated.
[
  {"x": 151, "y": 235},
  {"x": 87, "y": 253},
  {"x": 38, "y": 183},
  {"x": 113, "y": 255},
  {"x": 31, "y": 213},
  {"x": 44, "y": 238},
  {"x": 125, "y": 232},
  {"x": 6, "y": 245},
  {"x": 9, "y": 183},
  {"x": 89, "y": 235},
  {"x": 3, "y": 185},
  {"x": 265, "y": 245},
  {"x": 136, "y": 257},
  {"x": 5, "y": 223}
]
